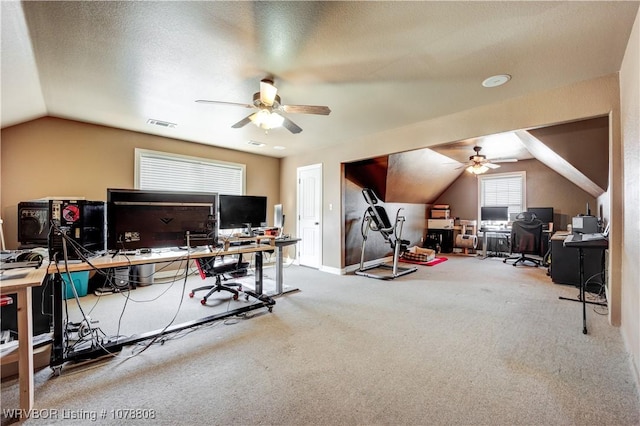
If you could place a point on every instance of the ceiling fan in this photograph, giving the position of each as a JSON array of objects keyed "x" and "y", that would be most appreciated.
[
  {"x": 270, "y": 108},
  {"x": 479, "y": 164}
]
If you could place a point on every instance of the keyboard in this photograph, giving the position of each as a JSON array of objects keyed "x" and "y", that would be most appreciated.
[{"x": 591, "y": 237}]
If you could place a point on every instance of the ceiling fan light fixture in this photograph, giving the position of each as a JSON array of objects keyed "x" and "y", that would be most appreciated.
[
  {"x": 477, "y": 169},
  {"x": 267, "y": 120}
]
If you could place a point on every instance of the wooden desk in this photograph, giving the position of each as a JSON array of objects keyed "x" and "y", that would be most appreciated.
[
  {"x": 59, "y": 356},
  {"x": 22, "y": 287}
]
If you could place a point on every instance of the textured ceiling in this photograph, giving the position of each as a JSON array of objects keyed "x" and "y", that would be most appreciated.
[{"x": 377, "y": 65}]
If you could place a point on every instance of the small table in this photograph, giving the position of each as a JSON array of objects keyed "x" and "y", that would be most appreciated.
[
  {"x": 585, "y": 244},
  {"x": 22, "y": 287}
]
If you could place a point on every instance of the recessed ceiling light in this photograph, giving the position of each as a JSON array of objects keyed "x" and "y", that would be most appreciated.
[
  {"x": 256, "y": 143},
  {"x": 278, "y": 147},
  {"x": 496, "y": 80}
]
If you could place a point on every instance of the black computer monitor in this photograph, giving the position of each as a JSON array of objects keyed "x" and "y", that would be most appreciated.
[
  {"x": 494, "y": 213},
  {"x": 242, "y": 211},
  {"x": 544, "y": 214},
  {"x": 158, "y": 219}
]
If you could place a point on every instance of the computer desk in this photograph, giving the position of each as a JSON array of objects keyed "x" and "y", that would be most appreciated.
[
  {"x": 59, "y": 357},
  {"x": 486, "y": 231},
  {"x": 22, "y": 287},
  {"x": 546, "y": 233}
]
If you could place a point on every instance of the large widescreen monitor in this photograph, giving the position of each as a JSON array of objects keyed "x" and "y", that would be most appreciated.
[
  {"x": 159, "y": 219},
  {"x": 242, "y": 211},
  {"x": 494, "y": 214},
  {"x": 545, "y": 214}
]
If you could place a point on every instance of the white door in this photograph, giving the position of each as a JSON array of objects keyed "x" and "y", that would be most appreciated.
[{"x": 309, "y": 215}]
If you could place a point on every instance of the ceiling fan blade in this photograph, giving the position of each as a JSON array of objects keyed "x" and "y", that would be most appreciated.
[
  {"x": 306, "y": 109},
  {"x": 243, "y": 122},
  {"x": 204, "y": 101},
  {"x": 491, "y": 165},
  {"x": 291, "y": 126},
  {"x": 268, "y": 92},
  {"x": 505, "y": 160}
]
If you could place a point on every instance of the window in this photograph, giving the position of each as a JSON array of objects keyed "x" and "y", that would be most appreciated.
[
  {"x": 163, "y": 171},
  {"x": 504, "y": 189}
]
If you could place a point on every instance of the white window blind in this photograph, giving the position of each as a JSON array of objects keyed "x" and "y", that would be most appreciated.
[
  {"x": 171, "y": 172},
  {"x": 506, "y": 189}
]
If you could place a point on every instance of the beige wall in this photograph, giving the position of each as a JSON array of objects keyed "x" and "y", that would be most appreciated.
[
  {"x": 56, "y": 157},
  {"x": 630, "y": 262}
]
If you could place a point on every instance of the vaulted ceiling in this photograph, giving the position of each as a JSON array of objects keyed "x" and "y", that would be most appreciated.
[{"x": 377, "y": 65}]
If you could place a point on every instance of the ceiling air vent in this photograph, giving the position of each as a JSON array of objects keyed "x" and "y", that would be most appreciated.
[
  {"x": 256, "y": 143},
  {"x": 162, "y": 123}
]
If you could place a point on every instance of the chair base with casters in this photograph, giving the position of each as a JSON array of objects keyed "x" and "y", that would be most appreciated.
[
  {"x": 522, "y": 258},
  {"x": 208, "y": 268},
  {"x": 376, "y": 219}
]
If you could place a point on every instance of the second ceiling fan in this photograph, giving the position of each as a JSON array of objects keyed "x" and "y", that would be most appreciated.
[
  {"x": 270, "y": 108},
  {"x": 479, "y": 164}
]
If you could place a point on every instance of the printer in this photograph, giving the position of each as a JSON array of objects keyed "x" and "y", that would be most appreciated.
[{"x": 585, "y": 225}]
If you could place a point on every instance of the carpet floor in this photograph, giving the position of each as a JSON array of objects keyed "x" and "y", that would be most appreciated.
[{"x": 468, "y": 342}]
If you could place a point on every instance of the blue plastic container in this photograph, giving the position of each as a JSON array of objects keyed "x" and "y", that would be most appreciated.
[{"x": 80, "y": 282}]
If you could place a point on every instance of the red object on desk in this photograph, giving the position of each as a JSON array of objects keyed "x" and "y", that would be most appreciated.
[{"x": 6, "y": 300}]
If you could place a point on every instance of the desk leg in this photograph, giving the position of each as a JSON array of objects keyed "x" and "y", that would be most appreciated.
[
  {"x": 279, "y": 260},
  {"x": 582, "y": 292},
  {"x": 258, "y": 264},
  {"x": 484, "y": 245},
  {"x": 25, "y": 349}
]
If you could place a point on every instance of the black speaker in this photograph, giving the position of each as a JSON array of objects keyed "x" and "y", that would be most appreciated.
[{"x": 33, "y": 223}]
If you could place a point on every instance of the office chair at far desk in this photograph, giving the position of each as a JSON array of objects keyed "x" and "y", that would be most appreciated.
[
  {"x": 208, "y": 268},
  {"x": 526, "y": 238}
]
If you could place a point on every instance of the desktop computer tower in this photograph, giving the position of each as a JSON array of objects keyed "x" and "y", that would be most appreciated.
[{"x": 83, "y": 222}]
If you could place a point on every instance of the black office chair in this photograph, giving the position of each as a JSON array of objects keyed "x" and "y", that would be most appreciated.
[
  {"x": 526, "y": 238},
  {"x": 207, "y": 267}
]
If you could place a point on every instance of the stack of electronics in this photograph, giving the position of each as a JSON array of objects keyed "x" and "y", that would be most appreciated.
[
  {"x": 45, "y": 223},
  {"x": 440, "y": 230},
  {"x": 134, "y": 221}
]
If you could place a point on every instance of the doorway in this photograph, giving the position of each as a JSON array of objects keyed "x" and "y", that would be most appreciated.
[{"x": 310, "y": 215}]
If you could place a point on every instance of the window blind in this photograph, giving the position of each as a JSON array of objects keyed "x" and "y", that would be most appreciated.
[
  {"x": 503, "y": 190},
  {"x": 171, "y": 172}
]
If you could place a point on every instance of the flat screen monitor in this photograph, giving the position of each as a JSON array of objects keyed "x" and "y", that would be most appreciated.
[
  {"x": 242, "y": 211},
  {"x": 494, "y": 213},
  {"x": 159, "y": 219},
  {"x": 545, "y": 214}
]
